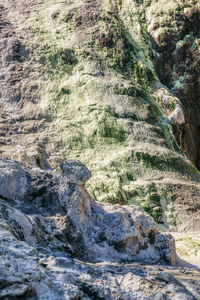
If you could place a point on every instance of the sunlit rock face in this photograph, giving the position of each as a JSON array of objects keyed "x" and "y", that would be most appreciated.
[
  {"x": 115, "y": 85},
  {"x": 56, "y": 206},
  {"x": 58, "y": 243}
]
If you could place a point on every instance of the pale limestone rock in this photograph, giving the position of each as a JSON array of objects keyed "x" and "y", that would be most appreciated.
[{"x": 171, "y": 106}]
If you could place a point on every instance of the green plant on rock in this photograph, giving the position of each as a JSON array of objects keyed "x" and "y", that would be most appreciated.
[
  {"x": 110, "y": 129},
  {"x": 68, "y": 56},
  {"x": 95, "y": 57},
  {"x": 152, "y": 203}
]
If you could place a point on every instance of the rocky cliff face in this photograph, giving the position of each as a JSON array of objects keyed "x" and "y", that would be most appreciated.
[
  {"x": 177, "y": 43},
  {"x": 58, "y": 243},
  {"x": 114, "y": 84}
]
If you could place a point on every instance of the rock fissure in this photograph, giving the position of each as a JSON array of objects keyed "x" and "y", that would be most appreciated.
[{"x": 178, "y": 68}]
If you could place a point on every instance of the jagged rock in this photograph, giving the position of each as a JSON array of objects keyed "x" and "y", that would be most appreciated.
[
  {"x": 77, "y": 81},
  {"x": 175, "y": 38},
  {"x": 91, "y": 230},
  {"x": 75, "y": 171},
  {"x": 21, "y": 274},
  {"x": 55, "y": 219}
]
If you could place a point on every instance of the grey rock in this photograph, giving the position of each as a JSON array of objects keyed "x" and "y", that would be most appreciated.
[
  {"x": 55, "y": 211},
  {"x": 75, "y": 171},
  {"x": 57, "y": 243},
  {"x": 13, "y": 180}
]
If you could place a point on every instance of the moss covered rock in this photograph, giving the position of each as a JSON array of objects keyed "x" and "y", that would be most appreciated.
[
  {"x": 105, "y": 54},
  {"x": 113, "y": 77}
]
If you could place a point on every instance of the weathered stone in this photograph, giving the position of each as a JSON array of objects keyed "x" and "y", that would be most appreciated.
[
  {"x": 92, "y": 230},
  {"x": 78, "y": 81},
  {"x": 75, "y": 171},
  {"x": 13, "y": 180},
  {"x": 36, "y": 243},
  {"x": 175, "y": 36},
  {"x": 171, "y": 106}
]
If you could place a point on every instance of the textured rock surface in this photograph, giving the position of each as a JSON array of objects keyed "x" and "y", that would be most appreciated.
[
  {"x": 176, "y": 38},
  {"x": 114, "y": 84},
  {"x": 75, "y": 172},
  {"x": 45, "y": 230},
  {"x": 89, "y": 229}
]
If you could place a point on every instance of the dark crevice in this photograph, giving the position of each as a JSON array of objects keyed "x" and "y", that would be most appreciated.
[{"x": 182, "y": 65}]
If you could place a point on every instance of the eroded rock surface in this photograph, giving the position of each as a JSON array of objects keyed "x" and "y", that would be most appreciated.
[
  {"x": 58, "y": 204},
  {"x": 175, "y": 38},
  {"x": 53, "y": 222},
  {"x": 114, "y": 84}
]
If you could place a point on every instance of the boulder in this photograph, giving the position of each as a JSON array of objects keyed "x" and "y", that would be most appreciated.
[{"x": 75, "y": 171}]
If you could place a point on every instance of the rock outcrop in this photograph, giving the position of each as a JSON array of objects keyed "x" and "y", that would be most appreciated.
[
  {"x": 42, "y": 206},
  {"x": 52, "y": 221},
  {"x": 175, "y": 36}
]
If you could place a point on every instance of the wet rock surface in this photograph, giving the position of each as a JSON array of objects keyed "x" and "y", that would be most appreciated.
[{"x": 58, "y": 243}]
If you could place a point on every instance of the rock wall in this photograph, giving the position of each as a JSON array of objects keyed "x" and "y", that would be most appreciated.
[
  {"x": 114, "y": 84},
  {"x": 175, "y": 36}
]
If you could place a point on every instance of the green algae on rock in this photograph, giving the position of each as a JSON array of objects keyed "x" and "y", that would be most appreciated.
[
  {"x": 112, "y": 83},
  {"x": 110, "y": 119}
]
